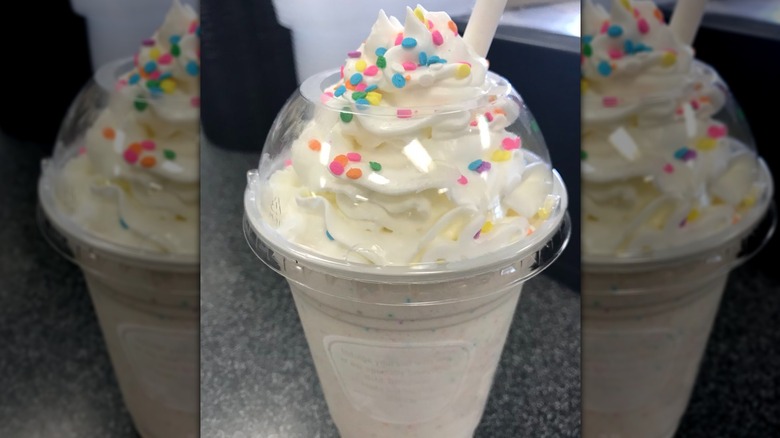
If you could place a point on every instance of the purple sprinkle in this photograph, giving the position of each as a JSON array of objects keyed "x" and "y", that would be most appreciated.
[
  {"x": 484, "y": 167},
  {"x": 476, "y": 236},
  {"x": 354, "y": 54},
  {"x": 689, "y": 155},
  {"x": 148, "y": 42}
]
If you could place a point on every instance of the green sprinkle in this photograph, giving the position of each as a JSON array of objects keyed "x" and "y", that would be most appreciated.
[
  {"x": 140, "y": 105},
  {"x": 152, "y": 84},
  {"x": 583, "y": 155},
  {"x": 534, "y": 126},
  {"x": 345, "y": 116},
  {"x": 375, "y": 166},
  {"x": 587, "y": 50},
  {"x": 169, "y": 154},
  {"x": 175, "y": 50},
  {"x": 359, "y": 95},
  {"x": 381, "y": 62}
]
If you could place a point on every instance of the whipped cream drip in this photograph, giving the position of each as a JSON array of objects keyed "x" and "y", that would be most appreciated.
[
  {"x": 659, "y": 169},
  {"x": 428, "y": 169},
  {"x": 136, "y": 179}
]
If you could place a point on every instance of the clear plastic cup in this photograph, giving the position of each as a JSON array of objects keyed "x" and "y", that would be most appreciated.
[
  {"x": 648, "y": 311},
  {"x": 146, "y": 299},
  {"x": 401, "y": 350}
]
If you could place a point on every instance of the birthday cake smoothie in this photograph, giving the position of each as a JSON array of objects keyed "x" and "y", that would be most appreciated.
[
  {"x": 671, "y": 186},
  {"x": 406, "y": 211},
  {"x": 120, "y": 198}
]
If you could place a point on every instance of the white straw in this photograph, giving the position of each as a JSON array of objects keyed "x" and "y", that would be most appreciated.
[
  {"x": 686, "y": 19},
  {"x": 482, "y": 25}
]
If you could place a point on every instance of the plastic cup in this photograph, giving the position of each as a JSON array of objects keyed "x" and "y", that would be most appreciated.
[
  {"x": 407, "y": 349},
  {"x": 146, "y": 301}
]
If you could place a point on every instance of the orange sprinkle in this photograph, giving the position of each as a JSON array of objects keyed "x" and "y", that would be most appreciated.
[
  {"x": 354, "y": 173},
  {"x": 341, "y": 159},
  {"x": 453, "y": 27},
  {"x": 499, "y": 111},
  {"x": 136, "y": 147},
  {"x": 148, "y": 161},
  {"x": 658, "y": 15},
  {"x": 408, "y": 78},
  {"x": 348, "y": 85},
  {"x": 109, "y": 133},
  {"x": 704, "y": 99},
  {"x": 315, "y": 145}
]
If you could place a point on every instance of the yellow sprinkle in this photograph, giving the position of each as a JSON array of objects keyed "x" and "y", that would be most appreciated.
[
  {"x": 583, "y": 85},
  {"x": 543, "y": 213},
  {"x": 360, "y": 65},
  {"x": 373, "y": 97},
  {"x": 154, "y": 53},
  {"x": 706, "y": 144},
  {"x": 419, "y": 13},
  {"x": 626, "y": 4},
  {"x": 749, "y": 201},
  {"x": 501, "y": 155},
  {"x": 487, "y": 227},
  {"x": 168, "y": 85},
  {"x": 462, "y": 71},
  {"x": 692, "y": 215},
  {"x": 668, "y": 59}
]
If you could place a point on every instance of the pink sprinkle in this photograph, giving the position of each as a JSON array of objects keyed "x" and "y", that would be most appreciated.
[
  {"x": 437, "y": 38},
  {"x": 473, "y": 123},
  {"x": 354, "y": 54},
  {"x": 695, "y": 104},
  {"x": 668, "y": 168},
  {"x": 342, "y": 72},
  {"x": 489, "y": 117},
  {"x": 636, "y": 13},
  {"x": 398, "y": 39},
  {"x": 135, "y": 59},
  {"x": 605, "y": 26},
  {"x": 165, "y": 59},
  {"x": 404, "y": 113},
  {"x": 678, "y": 111},
  {"x": 336, "y": 168},
  {"x": 610, "y": 101},
  {"x": 463, "y": 180},
  {"x": 353, "y": 156},
  {"x": 643, "y": 26},
  {"x": 476, "y": 236},
  {"x": 155, "y": 75},
  {"x": 130, "y": 156},
  {"x": 195, "y": 101},
  {"x": 360, "y": 87},
  {"x": 430, "y": 24},
  {"x": 510, "y": 143},
  {"x": 615, "y": 53},
  {"x": 82, "y": 150},
  {"x": 193, "y": 27},
  {"x": 324, "y": 97},
  {"x": 287, "y": 162},
  {"x": 717, "y": 131},
  {"x": 408, "y": 66},
  {"x": 148, "y": 145},
  {"x": 371, "y": 70}
]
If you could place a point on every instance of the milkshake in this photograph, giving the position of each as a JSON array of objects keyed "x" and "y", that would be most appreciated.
[
  {"x": 119, "y": 197},
  {"x": 672, "y": 190},
  {"x": 406, "y": 198}
]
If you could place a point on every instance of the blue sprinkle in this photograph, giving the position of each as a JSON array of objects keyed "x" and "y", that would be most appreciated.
[
  {"x": 340, "y": 90},
  {"x": 433, "y": 59},
  {"x": 604, "y": 68},
  {"x": 150, "y": 66},
  {"x": 680, "y": 153},
  {"x": 192, "y": 68},
  {"x": 355, "y": 79},
  {"x": 615, "y": 31},
  {"x": 174, "y": 39},
  {"x": 197, "y": 32},
  {"x": 587, "y": 39},
  {"x": 165, "y": 75},
  {"x": 423, "y": 58},
  {"x": 370, "y": 88},
  {"x": 134, "y": 78},
  {"x": 362, "y": 103},
  {"x": 642, "y": 48},
  {"x": 399, "y": 81},
  {"x": 380, "y": 51},
  {"x": 408, "y": 43},
  {"x": 474, "y": 165},
  {"x": 328, "y": 235},
  {"x": 123, "y": 224},
  {"x": 628, "y": 47}
]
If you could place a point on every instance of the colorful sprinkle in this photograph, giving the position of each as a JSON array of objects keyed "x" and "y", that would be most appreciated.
[
  {"x": 195, "y": 101},
  {"x": 341, "y": 159},
  {"x": 148, "y": 145},
  {"x": 354, "y": 54},
  {"x": 484, "y": 167},
  {"x": 433, "y": 59},
  {"x": 501, "y": 155},
  {"x": 133, "y": 79},
  {"x": 668, "y": 59},
  {"x": 336, "y": 168},
  {"x": 371, "y": 70},
  {"x": 419, "y": 13},
  {"x": 717, "y": 131},
  {"x": 463, "y": 180},
  {"x": 123, "y": 224},
  {"x": 452, "y": 26},
  {"x": 668, "y": 168},
  {"x": 360, "y": 65},
  {"x": 610, "y": 101},
  {"x": 354, "y": 156},
  {"x": 154, "y": 53},
  {"x": 381, "y": 62},
  {"x": 340, "y": 90},
  {"x": 423, "y": 58},
  {"x": 354, "y": 173},
  {"x": 462, "y": 71},
  {"x": 192, "y": 68},
  {"x": 474, "y": 165},
  {"x": 174, "y": 39},
  {"x": 409, "y": 66},
  {"x": 148, "y": 42},
  {"x": 604, "y": 68},
  {"x": 175, "y": 50},
  {"x": 438, "y": 39},
  {"x": 373, "y": 97},
  {"x": 376, "y": 167},
  {"x": 362, "y": 103},
  {"x": 358, "y": 95},
  {"x": 398, "y": 80},
  {"x": 109, "y": 133},
  {"x": 583, "y": 154},
  {"x": 148, "y": 161},
  {"x": 408, "y": 43},
  {"x": 685, "y": 154},
  {"x": 130, "y": 156},
  {"x": 140, "y": 105},
  {"x": 489, "y": 117},
  {"x": 380, "y": 51},
  {"x": 150, "y": 66},
  {"x": 487, "y": 227},
  {"x": 315, "y": 145},
  {"x": 615, "y": 53},
  {"x": 587, "y": 50},
  {"x": 509, "y": 143},
  {"x": 399, "y": 39},
  {"x": 403, "y": 113},
  {"x": 355, "y": 78},
  {"x": 346, "y": 117},
  {"x": 168, "y": 85},
  {"x": 706, "y": 144},
  {"x": 371, "y": 88},
  {"x": 169, "y": 154},
  {"x": 327, "y": 234},
  {"x": 643, "y": 26}
]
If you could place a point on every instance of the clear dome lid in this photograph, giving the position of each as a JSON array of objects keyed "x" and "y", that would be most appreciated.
[
  {"x": 347, "y": 182},
  {"x": 667, "y": 171},
  {"x": 124, "y": 174}
]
